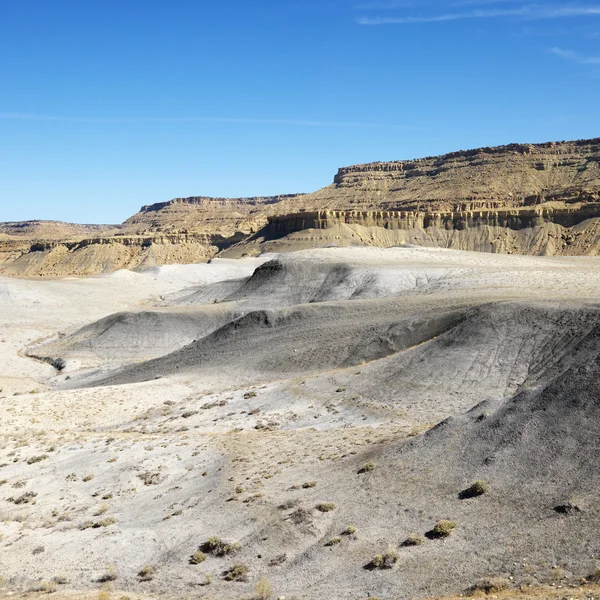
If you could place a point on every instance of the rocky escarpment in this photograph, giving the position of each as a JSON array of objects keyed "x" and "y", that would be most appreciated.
[{"x": 519, "y": 198}]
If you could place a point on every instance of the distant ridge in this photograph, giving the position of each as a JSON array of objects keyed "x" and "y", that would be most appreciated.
[{"x": 541, "y": 199}]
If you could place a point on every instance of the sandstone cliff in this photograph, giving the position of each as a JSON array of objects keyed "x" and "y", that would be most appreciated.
[{"x": 521, "y": 198}]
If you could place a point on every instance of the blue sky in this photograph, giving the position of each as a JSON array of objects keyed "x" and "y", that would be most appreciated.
[{"x": 106, "y": 105}]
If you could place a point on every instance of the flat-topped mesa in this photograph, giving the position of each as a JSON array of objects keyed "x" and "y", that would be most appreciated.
[
  {"x": 210, "y": 201},
  {"x": 512, "y": 175},
  {"x": 40, "y": 229},
  {"x": 544, "y": 149}
]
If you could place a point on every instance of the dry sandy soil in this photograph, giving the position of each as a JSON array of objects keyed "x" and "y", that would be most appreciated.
[{"x": 312, "y": 410}]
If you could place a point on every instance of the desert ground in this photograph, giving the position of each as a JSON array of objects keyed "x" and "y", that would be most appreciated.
[{"x": 304, "y": 425}]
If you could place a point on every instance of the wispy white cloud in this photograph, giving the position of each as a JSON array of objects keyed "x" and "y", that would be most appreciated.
[
  {"x": 528, "y": 12},
  {"x": 8, "y": 116},
  {"x": 575, "y": 56}
]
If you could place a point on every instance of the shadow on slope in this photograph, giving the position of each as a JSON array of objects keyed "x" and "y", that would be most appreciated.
[
  {"x": 286, "y": 281},
  {"x": 135, "y": 336}
]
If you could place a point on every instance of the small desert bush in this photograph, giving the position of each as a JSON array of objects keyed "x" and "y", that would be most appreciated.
[
  {"x": 325, "y": 507},
  {"x": 414, "y": 539},
  {"x": 47, "y": 587},
  {"x": 263, "y": 590},
  {"x": 386, "y": 560},
  {"x": 492, "y": 585},
  {"x": 237, "y": 572},
  {"x": 478, "y": 488},
  {"x": 197, "y": 558},
  {"x": 150, "y": 478},
  {"x": 110, "y": 575},
  {"x": 215, "y": 545},
  {"x": 350, "y": 530},
  {"x": 367, "y": 467},
  {"x": 443, "y": 528},
  {"x": 309, "y": 484},
  {"x": 35, "y": 459},
  {"x": 334, "y": 541},
  {"x": 26, "y": 498},
  {"x": 146, "y": 573}
]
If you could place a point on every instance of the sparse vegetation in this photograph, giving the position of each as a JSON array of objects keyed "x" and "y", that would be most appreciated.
[
  {"x": 150, "y": 478},
  {"x": 110, "y": 575},
  {"x": 197, "y": 557},
  {"x": 443, "y": 528},
  {"x": 216, "y": 546},
  {"x": 414, "y": 539},
  {"x": 325, "y": 507},
  {"x": 309, "y": 484},
  {"x": 26, "y": 498},
  {"x": 263, "y": 590},
  {"x": 366, "y": 468},
  {"x": 237, "y": 572},
  {"x": 36, "y": 459},
  {"x": 350, "y": 530},
  {"x": 492, "y": 585},
  {"x": 475, "y": 489},
  {"x": 146, "y": 573},
  {"x": 386, "y": 560},
  {"x": 334, "y": 541}
]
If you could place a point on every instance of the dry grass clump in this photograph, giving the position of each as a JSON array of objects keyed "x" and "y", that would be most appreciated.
[
  {"x": 197, "y": 557},
  {"x": 492, "y": 585},
  {"x": 110, "y": 575},
  {"x": 334, "y": 541},
  {"x": 386, "y": 560},
  {"x": 350, "y": 530},
  {"x": 97, "y": 524},
  {"x": 263, "y": 590},
  {"x": 46, "y": 587},
  {"x": 237, "y": 572},
  {"x": 443, "y": 528},
  {"x": 216, "y": 546},
  {"x": 367, "y": 467},
  {"x": 414, "y": 539},
  {"x": 150, "y": 478},
  {"x": 309, "y": 484},
  {"x": 478, "y": 488},
  {"x": 35, "y": 459},
  {"x": 146, "y": 573},
  {"x": 325, "y": 507},
  {"x": 26, "y": 498}
]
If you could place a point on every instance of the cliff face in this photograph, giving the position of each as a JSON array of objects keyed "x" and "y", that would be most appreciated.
[{"x": 521, "y": 198}]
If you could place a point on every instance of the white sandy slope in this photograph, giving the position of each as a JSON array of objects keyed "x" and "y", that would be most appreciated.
[{"x": 225, "y": 446}]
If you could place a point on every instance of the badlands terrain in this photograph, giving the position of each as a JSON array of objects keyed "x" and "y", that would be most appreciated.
[{"x": 335, "y": 423}]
